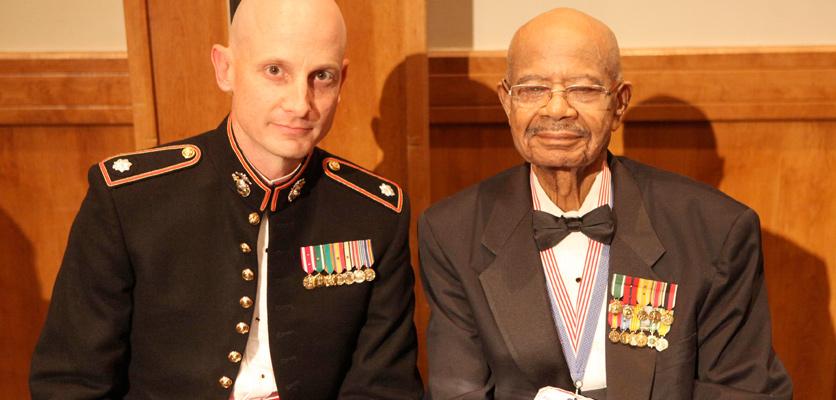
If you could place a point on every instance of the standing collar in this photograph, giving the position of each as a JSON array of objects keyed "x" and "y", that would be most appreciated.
[{"x": 242, "y": 178}]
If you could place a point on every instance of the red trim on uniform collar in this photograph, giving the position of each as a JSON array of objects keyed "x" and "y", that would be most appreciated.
[
  {"x": 255, "y": 176},
  {"x": 290, "y": 181}
]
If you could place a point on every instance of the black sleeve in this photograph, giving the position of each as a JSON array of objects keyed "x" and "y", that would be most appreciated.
[
  {"x": 457, "y": 364},
  {"x": 82, "y": 352},
  {"x": 384, "y": 361},
  {"x": 736, "y": 359}
]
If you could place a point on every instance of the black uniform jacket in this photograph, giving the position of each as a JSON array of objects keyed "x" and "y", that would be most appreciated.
[
  {"x": 154, "y": 296},
  {"x": 491, "y": 332}
]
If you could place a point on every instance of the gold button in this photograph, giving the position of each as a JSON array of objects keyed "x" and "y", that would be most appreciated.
[
  {"x": 245, "y": 248},
  {"x": 233, "y": 356},
  {"x": 188, "y": 152},
  {"x": 225, "y": 382},
  {"x": 254, "y": 218},
  {"x": 246, "y": 302},
  {"x": 334, "y": 165},
  {"x": 247, "y": 274},
  {"x": 242, "y": 328}
]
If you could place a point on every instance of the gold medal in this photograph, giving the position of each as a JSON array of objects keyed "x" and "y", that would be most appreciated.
[
  {"x": 319, "y": 280},
  {"x": 348, "y": 277},
  {"x": 627, "y": 312},
  {"x": 633, "y": 340},
  {"x": 309, "y": 282},
  {"x": 655, "y": 316},
  {"x": 340, "y": 279},
  {"x": 641, "y": 339},
  {"x": 614, "y": 336},
  {"x": 667, "y": 317},
  {"x": 615, "y": 306},
  {"x": 369, "y": 273},
  {"x": 642, "y": 315},
  {"x": 330, "y": 280},
  {"x": 625, "y": 337}
]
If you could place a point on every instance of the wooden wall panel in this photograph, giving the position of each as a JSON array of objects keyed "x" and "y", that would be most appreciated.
[
  {"x": 756, "y": 123},
  {"x": 181, "y": 34},
  {"x": 141, "y": 67},
  {"x": 59, "y": 114},
  {"x": 64, "y": 88},
  {"x": 726, "y": 84}
]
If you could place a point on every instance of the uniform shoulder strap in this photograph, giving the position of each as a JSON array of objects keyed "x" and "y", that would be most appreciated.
[
  {"x": 366, "y": 183},
  {"x": 131, "y": 167}
]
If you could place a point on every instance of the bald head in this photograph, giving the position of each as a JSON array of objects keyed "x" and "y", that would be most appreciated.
[
  {"x": 312, "y": 21},
  {"x": 285, "y": 67},
  {"x": 564, "y": 30}
]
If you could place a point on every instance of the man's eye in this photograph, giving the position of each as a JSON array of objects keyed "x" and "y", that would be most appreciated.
[
  {"x": 584, "y": 93},
  {"x": 274, "y": 70},
  {"x": 532, "y": 91},
  {"x": 583, "y": 90},
  {"x": 324, "y": 76}
]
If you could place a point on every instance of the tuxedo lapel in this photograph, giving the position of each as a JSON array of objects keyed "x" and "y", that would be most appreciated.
[
  {"x": 515, "y": 285},
  {"x": 634, "y": 251}
]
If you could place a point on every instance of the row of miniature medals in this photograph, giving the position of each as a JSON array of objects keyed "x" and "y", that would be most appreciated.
[
  {"x": 640, "y": 313},
  {"x": 337, "y": 264}
]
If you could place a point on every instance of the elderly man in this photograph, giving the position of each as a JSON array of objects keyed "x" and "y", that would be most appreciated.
[
  {"x": 582, "y": 272},
  {"x": 243, "y": 263}
]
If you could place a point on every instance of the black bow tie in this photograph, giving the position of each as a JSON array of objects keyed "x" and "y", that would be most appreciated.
[{"x": 597, "y": 225}]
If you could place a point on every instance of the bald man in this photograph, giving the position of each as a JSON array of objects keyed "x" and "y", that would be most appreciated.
[
  {"x": 245, "y": 262},
  {"x": 582, "y": 274}
]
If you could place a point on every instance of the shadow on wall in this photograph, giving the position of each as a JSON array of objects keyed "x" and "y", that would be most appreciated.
[
  {"x": 21, "y": 308},
  {"x": 392, "y": 135},
  {"x": 390, "y": 128},
  {"x": 796, "y": 279}
]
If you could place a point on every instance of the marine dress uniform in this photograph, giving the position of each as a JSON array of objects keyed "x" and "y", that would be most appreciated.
[{"x": 155, "y": 295}]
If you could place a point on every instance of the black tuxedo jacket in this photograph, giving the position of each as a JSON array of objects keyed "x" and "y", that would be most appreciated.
[
  {"x": 151, "y": 293},
  {"x": 491, "y": 333}
]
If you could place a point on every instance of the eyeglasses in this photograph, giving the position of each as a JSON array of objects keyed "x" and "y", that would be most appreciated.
[{"x": 535, "y": 95}]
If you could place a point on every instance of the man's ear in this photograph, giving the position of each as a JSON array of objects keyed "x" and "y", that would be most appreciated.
[
  {"x": 222, "y": 61},
  {"x": 504, "y": 98},
  {"x": 343, "y": 77},
  {"x": 622, "y": 100},
  {"x": 344, "y": 72}
]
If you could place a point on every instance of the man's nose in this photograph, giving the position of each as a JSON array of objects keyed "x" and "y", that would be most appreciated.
[
  {"x": 297, "y": 100},
  {"x": 558, "y": 107}
]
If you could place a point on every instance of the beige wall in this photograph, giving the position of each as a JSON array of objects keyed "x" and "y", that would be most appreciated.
[
  {"x": 642, "y": 23},
  {"x": 98, "y": 25},
  {"x": 61, "y": 25}
]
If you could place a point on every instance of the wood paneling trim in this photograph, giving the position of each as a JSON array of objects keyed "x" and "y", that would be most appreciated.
[
  {"x": 186, "y": 97},
  {"x": 64, "y": 88},
  {"x": 144, "y": 106},
  {"x": 725, "y": 84}
]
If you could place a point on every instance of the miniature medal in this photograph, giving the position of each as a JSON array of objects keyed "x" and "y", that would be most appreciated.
[
  {"x": 666, "y": 319},
  {"x": 308, "y": 261},
  {"x": 615, "y": 307}
]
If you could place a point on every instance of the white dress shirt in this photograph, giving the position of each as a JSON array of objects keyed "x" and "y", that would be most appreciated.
[
  {"x": 255, "y": 378},
  {"x": 570, "y": 254}
]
